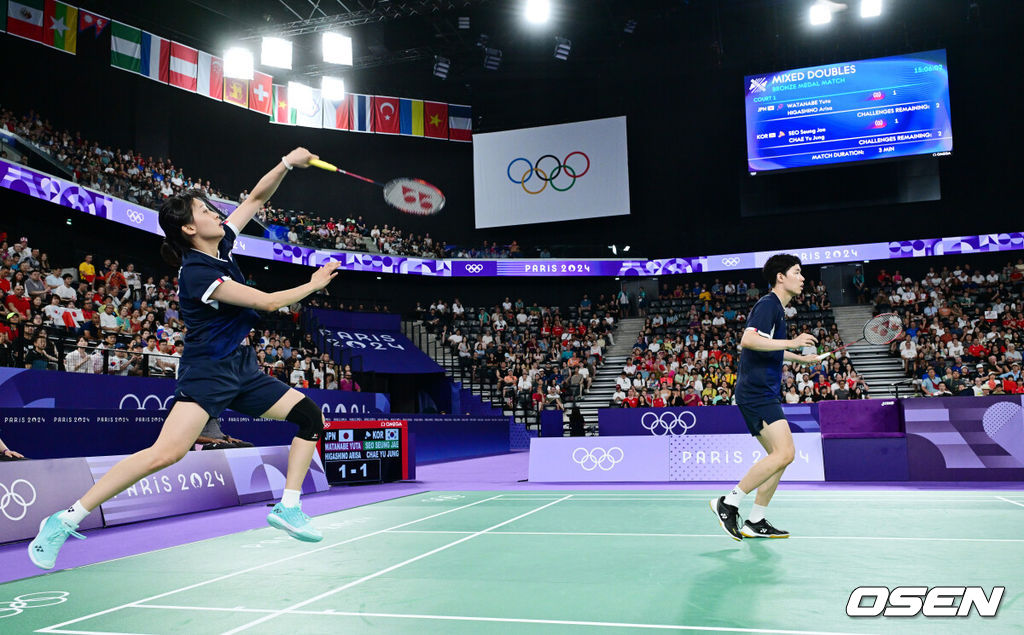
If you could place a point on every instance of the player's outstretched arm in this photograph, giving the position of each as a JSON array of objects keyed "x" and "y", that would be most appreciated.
[
  {"x": 232, "y": 292},
  {"x": 755, "y": 342},
  {"x": 261, "y": 193}
]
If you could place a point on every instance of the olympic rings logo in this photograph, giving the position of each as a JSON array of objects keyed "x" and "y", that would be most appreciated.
[
  {"x": 730, "y": 262},
  {"x": 32, "y": 601},
  {"x": 11, "y": 496},
  {"x": 144, "y": 403},
  {"x": 660, "y": 424},
  {"x": 134, "y": 216},
  {"x": 590, "y": 460},
  {"x": 474, "y": 268},
  {"x": 549, "y": 176}
]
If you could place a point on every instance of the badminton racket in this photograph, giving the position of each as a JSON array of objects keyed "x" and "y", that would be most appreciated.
[
  {"x": 881, "y": 329},
  {"x": 412, "y": 196}
]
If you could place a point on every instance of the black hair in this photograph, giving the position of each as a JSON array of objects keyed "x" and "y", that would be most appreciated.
[
  {"x": 175, "y": 213},
  {"x": 779, "y": 263}
]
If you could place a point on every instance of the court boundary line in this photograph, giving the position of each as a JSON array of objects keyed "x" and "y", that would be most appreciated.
[
  {"x": 1010, "y": 501},
  {"x": 718, "y": 535},
  {"x": 349, "y": 585},
  {"x": 54, "y": 628}
]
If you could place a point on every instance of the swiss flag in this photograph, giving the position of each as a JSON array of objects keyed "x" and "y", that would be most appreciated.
[
  {"x": 184, "y": 67},
  {"x": 385, "y": 115},
  {"x": 261, "y": 93}
]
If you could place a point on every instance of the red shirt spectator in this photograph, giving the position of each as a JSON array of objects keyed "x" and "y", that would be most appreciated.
[
  {"x": 977, "y": 350},
  {"x": 691, "y": 399},
  {"x": 557, "y": 330},
  {"x": 658, "y": 402},
  {"x": 631, "y": 402}
]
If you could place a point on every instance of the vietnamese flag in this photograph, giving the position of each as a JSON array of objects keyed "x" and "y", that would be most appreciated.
[
  {"x": 435, "y": 120},
  {"x": 386, "y": 115}
]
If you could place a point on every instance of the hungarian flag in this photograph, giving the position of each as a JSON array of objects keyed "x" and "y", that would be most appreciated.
[
  {"x": 282, "y": 113},
  {"x": 261, "y": 93},
  {"x": 236, "y": 91},
  {"x": 184, "y": 67},
  {"x": 460, "y": 123},
  {"x": 89, "y": 20},
  {"x": 338, "y": 114},
  {"x": 210, "y": 82},
  {"x": 61, "y": 26},
  {"x": 25, "y": 19},
  {"x": 386, "y": 115},
  {"x": 435, "y": 120}
]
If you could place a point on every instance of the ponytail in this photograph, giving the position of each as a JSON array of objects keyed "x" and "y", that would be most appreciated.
[{"x": 170, "y": 254}]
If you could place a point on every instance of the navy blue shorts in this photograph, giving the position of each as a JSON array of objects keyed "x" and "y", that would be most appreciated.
[
  {"x": 758, "y": 415},
  {"x": 234, "y": 382}
]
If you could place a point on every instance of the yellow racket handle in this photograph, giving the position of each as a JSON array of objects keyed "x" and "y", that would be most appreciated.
[{"x": 323, "y": 165}]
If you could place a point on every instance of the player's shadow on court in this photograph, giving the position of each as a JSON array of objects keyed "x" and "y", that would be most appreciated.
[{"x": 724, "y": 576}]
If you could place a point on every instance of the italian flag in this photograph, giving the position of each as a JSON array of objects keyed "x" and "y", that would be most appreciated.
[
  {"x": 60, "y": 26},
  {"x": 25, "y": 19}
]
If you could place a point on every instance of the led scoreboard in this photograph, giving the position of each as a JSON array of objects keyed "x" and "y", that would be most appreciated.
[{"x": 365, "y": 451}]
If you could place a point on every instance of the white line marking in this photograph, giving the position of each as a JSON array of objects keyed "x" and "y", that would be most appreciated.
[
  {"x": 51, "y": 629},
  {"x": 466, "y": 618},
  {"x": 641, "y": 535},
  {"x": 389, "y": 569},
  {"x": 1010, "y": 501},
  {"x": 979, "y": 499}
]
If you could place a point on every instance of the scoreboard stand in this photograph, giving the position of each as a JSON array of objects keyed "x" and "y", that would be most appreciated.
[{"x": 366, "y": 452}]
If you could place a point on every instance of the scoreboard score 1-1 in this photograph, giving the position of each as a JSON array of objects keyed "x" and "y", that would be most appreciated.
[{"x": 365, "y": 451}]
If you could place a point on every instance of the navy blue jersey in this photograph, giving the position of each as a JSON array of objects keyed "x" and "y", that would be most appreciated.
[
  {"x": 213, "y": 330},
  {"x": 760, "y": 376}
]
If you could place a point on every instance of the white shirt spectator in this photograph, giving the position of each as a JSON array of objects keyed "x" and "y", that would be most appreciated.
[
  {"x": 618, "y": 396},
  {"x": 457, "y": 309},
  {"x": 908, "y": 350},
  {"x": 718, "y": 320},
  {"x": 506, "y": 305},
  {"x": 296, "y": 377},
  {"x": 954, "y": 348},
  {"x": 992, "y": 277},
  {"x": 623, "y": 382},
  {"x": 629, "y": 369},
  {"x": 52, "y": 282},
  {"x": 455, "y": 339},
  {"x": 64, "y": 292},
  {"x": 108, "y": 321},
  {"x": 78, "y": 361},
  {"x": 522, "y": 318},
  {"x": 790, "y": 311},
  {"x": 525, "y": 384}
]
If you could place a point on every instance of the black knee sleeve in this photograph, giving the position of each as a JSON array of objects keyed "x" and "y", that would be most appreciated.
[{"x": 306, "y": 414}]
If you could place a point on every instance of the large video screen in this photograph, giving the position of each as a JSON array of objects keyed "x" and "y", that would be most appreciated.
[
  {"x": 551, "y": 173},
  {"x": 854, "y": 111}
]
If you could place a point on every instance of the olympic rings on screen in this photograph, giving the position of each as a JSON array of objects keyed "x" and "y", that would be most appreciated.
[
  {"x": 590, "y": 460},
  {"x": 660, "y": 424},
  {"x": 547, "y": 176}
]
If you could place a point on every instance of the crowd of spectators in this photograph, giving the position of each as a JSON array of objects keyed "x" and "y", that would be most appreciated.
[
  {"x": 99, "y": 318},
  {"x": 962, "y": 327}
]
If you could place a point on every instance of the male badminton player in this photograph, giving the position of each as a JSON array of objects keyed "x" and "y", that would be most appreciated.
[
  {"x": 218, "y": 367},
  {"x": 765, "y": 347}
]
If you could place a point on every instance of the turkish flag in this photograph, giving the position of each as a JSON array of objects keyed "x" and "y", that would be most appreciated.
[
  {"x": 261, "y": 92},
  {"x": 385, "y": 115}
]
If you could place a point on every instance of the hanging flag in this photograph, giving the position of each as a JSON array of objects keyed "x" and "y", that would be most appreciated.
[
  {"x": 410, "y": 114},
  {"x": 184, "y": 67},
  {"x": 385, "y": 115},
  {"x": 210, "y": 78},
  {"x": 236, "y": 91},
  {"x": 435, "y": 120},
  {"x": 25, "y": 19},
  {"x": 125, "y": 47},
  {"x": 310, "y": 114},
  {"x": 282, "y": 113},
  {"x": 156, "y": 57},
  {"x": 460, "y": 123},
  {"x": 89, "y": 20},
  {"x": 60, "y": 23},
  {"x": 362, "y": 113},
  {"x": 338, "y": 114},
  {"x": 261, "y": 93}
]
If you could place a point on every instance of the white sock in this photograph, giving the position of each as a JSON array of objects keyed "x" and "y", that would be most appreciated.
[
  {"x": 291, "y": 498},
  {"x": 735, "y": 496},
  {"x": 75, "y": 514},
  {"x": 757, "y": 513}
]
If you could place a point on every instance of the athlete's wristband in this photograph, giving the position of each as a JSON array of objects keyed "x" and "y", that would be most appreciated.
[{"x": 285, "y": 163}]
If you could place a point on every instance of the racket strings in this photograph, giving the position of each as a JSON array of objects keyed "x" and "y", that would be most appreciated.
[{"x": 883, "y": 329}]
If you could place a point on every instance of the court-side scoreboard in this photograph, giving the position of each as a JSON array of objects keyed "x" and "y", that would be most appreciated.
[{"x": 365, "y": 451}]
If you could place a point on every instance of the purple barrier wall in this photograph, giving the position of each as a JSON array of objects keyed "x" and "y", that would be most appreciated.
[
  {"x": 697, "y": 420},
  {"x": 965, "y": 438},
  {"x": 375, "y": 338},
  {"x": 259, "y": 473},
  {"x": 860, "y": 418},
  {"x": 867, "y": 459},
  {"x": 32, "y": 490},
  {"x": 699, "y": 457}
]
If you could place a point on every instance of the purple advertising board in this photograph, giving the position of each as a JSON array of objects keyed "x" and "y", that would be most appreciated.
[
  {"x": 200, "y": 481},
  {"x": 259, "y": 473},
  {"x": 59, "y": 191},
  {"x": 374, "y": 338},
  {"x": 695, "y": 420},
  {"x": 860, "y": 418},
  {"x": 965, "y": 438},
  {"x": 32, "y": 490},
  {"x": 693, "y": 457}
]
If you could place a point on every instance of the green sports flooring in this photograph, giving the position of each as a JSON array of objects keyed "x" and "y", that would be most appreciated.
[{"x": 554, "y": 562}]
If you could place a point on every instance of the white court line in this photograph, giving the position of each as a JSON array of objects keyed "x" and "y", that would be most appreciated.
[
  {"x": 776, "y": 499},
  {"x": 53, "y": 629},
  {"x": 467, "y": 618},
  {"x": 389, "y": 569},
  {"x": 718, "y": 535},
  {"x": 1010, "y": 501}
]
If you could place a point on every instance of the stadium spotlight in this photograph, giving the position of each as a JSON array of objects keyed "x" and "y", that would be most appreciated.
[
  {"x": 820, "y": 14},
  {"x": 625, "y": 249},
  {"x": 300, "y": 96},
  {"x": 537, "y": 11},
  {"x": 238, "y": 63},
  {"x": 441, "y": 66},
  {"x": 276, "y": 52},
  {"x": 870, "y": 8},
  {"x": 337, "y": 49},
  {"x": 615, "y": 250},
  {"x": 332, "y": 88},
  {"x": 464, "y": 22},
  {"x": 562, "y": 48},
  {"x": 492, "y": 59}
]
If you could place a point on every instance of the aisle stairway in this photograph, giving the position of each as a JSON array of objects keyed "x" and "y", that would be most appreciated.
[
  {"x": 604, "y": 383},
  {"x": 874, "y": 363}
]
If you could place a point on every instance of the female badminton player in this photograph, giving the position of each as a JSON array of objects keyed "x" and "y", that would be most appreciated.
[
  {"x": 765, "y": 347},
  {"x": 218, "y": 367}
]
